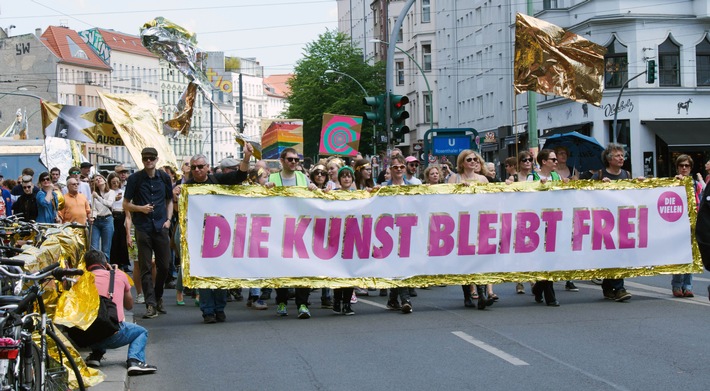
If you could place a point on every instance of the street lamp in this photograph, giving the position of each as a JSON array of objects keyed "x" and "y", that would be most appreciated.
[
  {"x": 374, "y": 139},
  {"x": 431, "y": 96}
]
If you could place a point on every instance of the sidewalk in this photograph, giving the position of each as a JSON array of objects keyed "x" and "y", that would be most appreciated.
[{"x": 113, "y": 366}]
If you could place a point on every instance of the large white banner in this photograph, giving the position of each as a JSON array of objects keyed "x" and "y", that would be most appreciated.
[{"x": 452, "y": 231}]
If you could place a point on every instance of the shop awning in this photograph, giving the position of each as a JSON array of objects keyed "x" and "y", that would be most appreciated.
[
  {"x": 584, "y": 128},
  {"x": 680, "y": 132}
]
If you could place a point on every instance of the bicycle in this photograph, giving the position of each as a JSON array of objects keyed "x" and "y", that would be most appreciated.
[{"x": 23, "y": 364}]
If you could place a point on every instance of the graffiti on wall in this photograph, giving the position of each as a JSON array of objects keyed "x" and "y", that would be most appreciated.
[{"x": 94, "y": 39}]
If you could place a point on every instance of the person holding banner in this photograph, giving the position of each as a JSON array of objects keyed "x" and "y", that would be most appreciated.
[
  {"x": 342, "y": 297},
  {"x": 613, "y": 157},
  {"x": 682, "y": 284},
  {"x": 288, "y": 176},
  {"x": 213, "y": 301},
  {"x": 470, "y": 169},
  {"x": 397, "y": 169},
  {"x": 548, "y": 163}
]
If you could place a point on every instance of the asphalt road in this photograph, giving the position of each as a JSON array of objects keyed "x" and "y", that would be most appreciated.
[{"x": 652, "y": 342}]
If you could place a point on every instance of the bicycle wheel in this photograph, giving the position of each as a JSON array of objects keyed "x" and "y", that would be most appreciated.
[
  {"x": 57, "y": 372},
  {"x": 29, "y": 372}
]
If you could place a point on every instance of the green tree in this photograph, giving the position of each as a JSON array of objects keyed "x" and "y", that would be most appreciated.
[{"x": 313, "y": 92}]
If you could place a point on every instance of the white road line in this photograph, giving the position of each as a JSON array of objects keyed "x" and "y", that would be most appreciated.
[
  {"x": 372, "y": 303},
  {"x": 490, "y": 349},
  {"x": 695, "y": 278}
]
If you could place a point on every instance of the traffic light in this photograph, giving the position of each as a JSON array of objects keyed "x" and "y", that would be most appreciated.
[
  {"x": 398, "y": 114},
  {"x": 651, "y": 71},
  {"x": 377, "y": 103}
]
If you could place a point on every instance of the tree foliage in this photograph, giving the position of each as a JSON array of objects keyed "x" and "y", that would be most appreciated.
[{"x": 313, "y": 92}]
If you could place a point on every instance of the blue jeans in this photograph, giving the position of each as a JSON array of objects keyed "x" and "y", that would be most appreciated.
[
  {"x": 130, "y": 334},
  {"x": 682, "y": 281},
  {"x": 254, "y": 292},
  {"x": 102, "y": 231},
  {"x": 212, "y": 300}
]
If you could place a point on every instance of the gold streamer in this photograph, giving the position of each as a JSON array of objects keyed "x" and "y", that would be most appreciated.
[
  {"x": 443, "y": 279},
  {"x": 552, "y": 61}
]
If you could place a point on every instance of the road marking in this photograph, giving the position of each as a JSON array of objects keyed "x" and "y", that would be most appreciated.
[
  {"x": 372, "y": 303},
  {"x": 695, "y": 278},
  {"x": 490, "y": 349}
]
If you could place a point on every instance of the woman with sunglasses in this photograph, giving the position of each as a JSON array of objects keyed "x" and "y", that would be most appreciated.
[
  {"x": 470, "y": 169},
  {"x": 102, "y": 227},
  {"x": 319, "y": 177},
  {"x": 548, "y": 163},
  {"x": 524, "y": 168},
  {"x": 47, "y": 201},
  {"x": 682, "y": 284}
]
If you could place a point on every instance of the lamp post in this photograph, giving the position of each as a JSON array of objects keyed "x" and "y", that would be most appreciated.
[
  {"x": 431, "y": 96},
  {"x": 374, "y": 139}
]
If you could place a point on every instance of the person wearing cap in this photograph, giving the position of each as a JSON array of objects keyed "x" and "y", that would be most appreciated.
[
  {"x": 122, "y": 173},
  {"x": 412, "y": 166},
  {"x": 228, "y": 165},
  {"x": 84, "y": 187},
  {"x": 85, "y": 168},
  {"x": 148, "y": 197},
  {"x": 213, "y": 301},
  {"x": 18, "y": 190}
]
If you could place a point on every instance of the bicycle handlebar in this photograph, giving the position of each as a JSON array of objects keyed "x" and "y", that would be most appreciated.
[{"x": 12, "y": 262}]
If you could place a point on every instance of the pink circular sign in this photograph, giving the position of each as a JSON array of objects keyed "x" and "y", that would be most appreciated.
[{"x": 670, "y": 206}]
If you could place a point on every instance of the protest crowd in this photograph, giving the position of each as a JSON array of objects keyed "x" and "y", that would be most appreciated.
[{"x": 139, "y": 210}]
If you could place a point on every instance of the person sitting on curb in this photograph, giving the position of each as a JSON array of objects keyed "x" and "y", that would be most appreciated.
[{"x": 129, "y": 334}]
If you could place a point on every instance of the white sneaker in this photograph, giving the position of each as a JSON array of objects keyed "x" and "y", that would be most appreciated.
[
  {"x": 353, "y": 298},
  {"x": 259, "y": 305},
  {"x": 140, "y": 299}
]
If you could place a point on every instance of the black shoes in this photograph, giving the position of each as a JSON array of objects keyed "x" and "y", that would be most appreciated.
[
  {"x": 160, "y": 307},
  {"x": 136, "y": 367},
  {"x": 407, "y": 307},
  {"x": 150, "y": 312},
  {"x": 468, "y": 303},
  {"x": 94, "y": 360}
]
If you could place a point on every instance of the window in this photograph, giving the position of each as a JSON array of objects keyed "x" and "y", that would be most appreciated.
[
  {"x": 399, "y": 35},
  {"x": 549, "y": 4},
  {"x": 427, "y": 107},
  {"x": 426, "y": 11},
  {"x": 702, "y": 63},
  {"x": 616, "y": 63},
  {"x": 75, "y": 50},
  {"x": 669, "y": 64},
  {"x": 400, "y": 72},
  {"x": 426, "y": 57}
]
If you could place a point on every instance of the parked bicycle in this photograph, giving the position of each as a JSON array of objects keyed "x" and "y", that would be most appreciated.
[{"x": 24, "y": 364}]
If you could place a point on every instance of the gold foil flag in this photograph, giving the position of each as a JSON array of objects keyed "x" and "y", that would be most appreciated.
[{"x": 552, "y": 61}]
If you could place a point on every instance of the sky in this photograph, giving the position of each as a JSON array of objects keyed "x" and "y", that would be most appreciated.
[{"x": 275, "y": 32}]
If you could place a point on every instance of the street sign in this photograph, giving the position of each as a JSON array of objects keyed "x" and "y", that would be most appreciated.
[{"x": 450, "y": 145}]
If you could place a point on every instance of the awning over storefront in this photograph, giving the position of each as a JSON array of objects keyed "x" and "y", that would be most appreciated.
[
  {"x": 584, "y": 128},
  {"x": 680, "y": 132}
]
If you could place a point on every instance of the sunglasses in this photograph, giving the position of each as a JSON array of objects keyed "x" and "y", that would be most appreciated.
[
  {"x": 45, "y": 180},
  {"x": 149, "y": 158},
  {"x": 73, "y": 184},
  {"x": 197, "y": 166},
  {"x": 398, "y": 167},
  {"x": 471, "y": 159},
  {"x": 413, "y": 164},
  {"x": 74, "y": 173},
  {"x": 320, "y": 173},
  {"x": 292, "y": 159},
  {"x": 26, "y": 187},
  {"x": 554, "y": 159},
  {"x": 684, "y": 165},
  {"x": 527, "y": 159}
]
